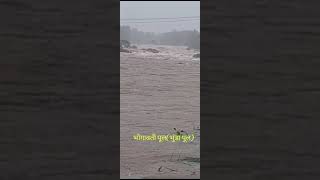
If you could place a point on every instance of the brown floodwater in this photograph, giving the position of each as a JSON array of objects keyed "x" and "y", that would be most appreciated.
[{"x": 159, "y": 92}]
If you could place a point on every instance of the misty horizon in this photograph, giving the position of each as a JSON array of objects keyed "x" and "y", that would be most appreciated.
[{"x": 160, "y": 16}]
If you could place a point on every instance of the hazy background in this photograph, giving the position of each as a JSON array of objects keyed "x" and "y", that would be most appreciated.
[{"x": 160, "y": 9}]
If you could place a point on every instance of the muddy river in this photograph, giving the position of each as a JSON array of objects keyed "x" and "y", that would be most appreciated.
[{"x": 159, "y": 92}]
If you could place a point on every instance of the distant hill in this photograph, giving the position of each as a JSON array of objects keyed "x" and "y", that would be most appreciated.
[{"x": 190, "y": 38}]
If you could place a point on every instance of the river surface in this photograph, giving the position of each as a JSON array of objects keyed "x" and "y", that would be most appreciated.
[{"x": 159, "y": 92}]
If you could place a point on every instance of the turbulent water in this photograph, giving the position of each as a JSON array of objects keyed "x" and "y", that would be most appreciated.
[{"x": 159, "y": 92}]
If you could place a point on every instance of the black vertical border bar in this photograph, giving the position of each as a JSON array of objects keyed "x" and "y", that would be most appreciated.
[
  {"x": 59, "y": 89},
  {"x": 260, "y": 89}
]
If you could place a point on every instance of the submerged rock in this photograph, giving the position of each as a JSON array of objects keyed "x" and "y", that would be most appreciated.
[
  {"x": 151, "y": 50},
  {"x": 124, "y": 50},
  {"x": 196, "y": 55}
]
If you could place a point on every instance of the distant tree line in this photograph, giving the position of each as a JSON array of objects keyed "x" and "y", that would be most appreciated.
[{"x": 190, "y": 39}]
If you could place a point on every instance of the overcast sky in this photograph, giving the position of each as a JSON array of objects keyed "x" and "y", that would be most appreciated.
[{"x": 160, "y": 9}]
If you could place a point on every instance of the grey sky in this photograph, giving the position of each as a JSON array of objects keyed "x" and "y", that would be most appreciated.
[{"x": 160, "y": 9}]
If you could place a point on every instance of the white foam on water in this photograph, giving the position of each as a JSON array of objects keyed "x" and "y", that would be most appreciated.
[{"x": 176, "y": 53}]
